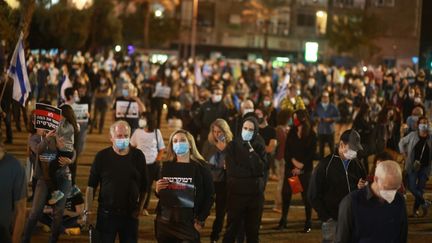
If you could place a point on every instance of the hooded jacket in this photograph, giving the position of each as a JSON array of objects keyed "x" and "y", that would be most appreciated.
[{"x": 245, "y": 164}]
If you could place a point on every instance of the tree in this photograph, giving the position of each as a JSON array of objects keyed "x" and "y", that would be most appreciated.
[{"x": 353, "y": 32}]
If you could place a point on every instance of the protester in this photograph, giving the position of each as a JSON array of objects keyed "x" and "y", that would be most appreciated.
[
  {"x": 6, "y": 88},
  {"x": 102, "y": 97},
  {"x": 327, "y": 114},
  {"x": 13, "y": 192},
  {"x": 300, "y": 147},
  {"x": 45, "y": 147},
  {"x": 335, "y": 176},
  {"x": 185, "y": 192},
  {"x": 214, "y": 152},
  {"x": 376, "y": 213},
  {"x": 417, "y": 150},
  {"x": 120, "y": 170},
  {"x": 131, "y": 113},
  {"x": 245, "y": 160},
  {"x": 149, "y": 140}
]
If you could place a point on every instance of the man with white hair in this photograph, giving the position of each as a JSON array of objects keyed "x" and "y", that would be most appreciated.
[
  {"x": 120, "y": 170},
  {"x": 377, "y": 212}
]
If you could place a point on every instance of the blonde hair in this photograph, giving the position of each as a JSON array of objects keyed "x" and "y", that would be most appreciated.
[
  {"x": 222, "y": 125},
  {"x": 194, "y": 153}
]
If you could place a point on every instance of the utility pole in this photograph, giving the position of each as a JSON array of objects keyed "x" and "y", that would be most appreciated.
[{"x": 194, "y": 28}]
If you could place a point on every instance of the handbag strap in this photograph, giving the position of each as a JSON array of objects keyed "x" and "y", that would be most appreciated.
[
  {"x": 127, "y": 109},
  {"x": 421, "y": 155},
  {"x": 157, "y": 140}
]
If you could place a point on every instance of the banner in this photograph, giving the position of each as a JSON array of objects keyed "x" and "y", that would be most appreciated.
[
  {"x": 181, "y": 189},
  {"x": 47, "y": 117},
  {"x": 162, "y": 91},
  {"x": 122, "y": 108},
  {"x": 81, "y": 112}
]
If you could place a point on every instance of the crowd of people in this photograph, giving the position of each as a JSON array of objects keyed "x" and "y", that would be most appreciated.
[{"x": 238, "y": 124}]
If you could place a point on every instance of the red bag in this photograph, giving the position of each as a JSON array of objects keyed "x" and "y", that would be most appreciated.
[{"x": 295, "y": 184}]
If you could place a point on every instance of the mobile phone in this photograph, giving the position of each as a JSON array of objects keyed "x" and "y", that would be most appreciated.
[{"x": 221, "y": 138}]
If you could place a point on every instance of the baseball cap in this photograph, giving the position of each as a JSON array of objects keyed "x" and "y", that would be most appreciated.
[{"x": 352, "y": 138}]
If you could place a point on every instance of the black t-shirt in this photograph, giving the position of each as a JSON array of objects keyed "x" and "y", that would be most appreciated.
[
  {"x": 423, "y": 158},
  {"x": 122, "y": 179},
  {"x": 268, "y": 133}
]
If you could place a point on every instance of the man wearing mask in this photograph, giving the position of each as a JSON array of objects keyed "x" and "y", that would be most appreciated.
[
  {"x": 120, "y": 170},
  {"x": 209, "y": 112},
  {"x": 326, "y": 115},
  {"x": 335, "y": 176},
  {"x": 377, "y": 212}
]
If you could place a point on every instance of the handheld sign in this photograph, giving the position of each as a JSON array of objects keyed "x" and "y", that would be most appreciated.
[
  {"x": 47, "y": 117},
  {"x": 81, "y": 112},
  {"x": 126, "y": 109}
]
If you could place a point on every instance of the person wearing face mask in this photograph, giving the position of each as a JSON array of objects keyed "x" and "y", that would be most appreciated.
[
  {"x": 246, "y": 109},
  {"x": 412, "y": 120},
  {"x": 209, "y": 112},
  {"x": 417, "y": 150},
  {"x": 121, "y": 172},
  {"x": 377, "y": 212},
  {"x": 185, "y": 190},
  {"x": 408, "y": 103},
  {"x": 245, "y": 159},
  {"x": 102, "y": 97},
  {"x": 293, "y": 101},
  {"x": 334, "y": 177},
  {"x": 149, "y": 140},
  {"x": 326, "y": 114},
  {"x": 131, "y": 104}
]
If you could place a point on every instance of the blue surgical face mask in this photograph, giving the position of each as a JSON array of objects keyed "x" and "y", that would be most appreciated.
[
  {"x": 423, "y": 127},
  {"x": 122, "y": 143},
  {"x": 125, "y": 93},
  {"x": 247, "y": 135},
  {"x": 181, "y": 148}
]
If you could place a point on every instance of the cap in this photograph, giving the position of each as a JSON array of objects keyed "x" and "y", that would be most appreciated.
[{"x": 352, "y": 138}]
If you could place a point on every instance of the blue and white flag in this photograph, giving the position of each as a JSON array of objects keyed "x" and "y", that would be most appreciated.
[{"x": 18, "y": 72}]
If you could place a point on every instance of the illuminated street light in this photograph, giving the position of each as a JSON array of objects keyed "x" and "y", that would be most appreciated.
[
  {"x": 158, "y": 13},
  {"x": 117, "y": 48},
  {"x": 13, "y": 3},
  {"x": 81, "y": 4},
  {"x": 320, "y": 14}
]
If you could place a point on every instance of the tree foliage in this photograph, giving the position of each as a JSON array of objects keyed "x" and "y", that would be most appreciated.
[{"x": 358, "y": 31}]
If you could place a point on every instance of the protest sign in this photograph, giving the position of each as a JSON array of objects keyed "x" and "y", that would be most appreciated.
[
  {"x": 81, "y": 112},
  {"x": 47, "y": 117},
  {"x": 162, "y": 91},
  {"x": 129, "y": 107}
]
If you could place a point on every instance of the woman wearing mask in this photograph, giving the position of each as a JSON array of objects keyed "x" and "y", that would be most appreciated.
[
  {"x": 245, "y": 159},
  {"x": 185, "y": 191},
  {"x": 214, "y": 152},
  {"x": 149, "y": 140},
  {"x": 417, "y": 150},
  {"x": 300, "y": 147}
]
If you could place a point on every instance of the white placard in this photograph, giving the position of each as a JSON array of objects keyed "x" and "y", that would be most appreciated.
[
  {"x": 122, "y": 107},
  {"x": 81, "y": 112}
]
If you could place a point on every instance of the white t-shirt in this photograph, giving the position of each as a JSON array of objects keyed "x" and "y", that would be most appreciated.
[{"x": 146, "y": 142}]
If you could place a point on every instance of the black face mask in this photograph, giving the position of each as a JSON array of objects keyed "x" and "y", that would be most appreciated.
[{"x": 260, "y": 120}]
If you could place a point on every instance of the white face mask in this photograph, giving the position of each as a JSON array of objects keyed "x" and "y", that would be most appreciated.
[
  {"x": 245, "y": 111},
  {"x": 142, "y": 122},
  {"x": 216, "y": 98},
  {"x": 388, "y": 195},
  {"x": 350, "y": 154}
]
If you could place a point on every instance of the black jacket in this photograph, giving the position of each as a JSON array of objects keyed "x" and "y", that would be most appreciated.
[
  {"x": 245, "y": 164},
  {"x": 330, "y": 183}
]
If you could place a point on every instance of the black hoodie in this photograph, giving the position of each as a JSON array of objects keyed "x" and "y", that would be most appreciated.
[{"x": 245, "y": 164}]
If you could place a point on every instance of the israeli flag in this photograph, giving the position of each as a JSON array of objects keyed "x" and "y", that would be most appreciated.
[{"x": 18, "y": 72}]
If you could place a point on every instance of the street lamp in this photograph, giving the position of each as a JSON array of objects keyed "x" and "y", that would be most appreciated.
[
  {"x": 81, "y": 4},
  {"x": 194, "y": 28},
  {"x": 158, "y": 13}
]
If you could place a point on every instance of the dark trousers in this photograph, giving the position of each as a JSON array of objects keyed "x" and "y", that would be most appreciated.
[
  {"x": 17, "y": 109},
  {"x": 152, "y": 175},
  {"x": 239, "y": 213},
  {"x": 101, "y": 106},
  {"x": 109, "y": 225},
  {"x": 416, "y": 185},
  {"x": 156, "y": 108},
  {"x": 220, "y": 203},
  {"x": 324, "y": 139},
  {"x": 7, "y": 121},
  {"x": 287, "y": 195}
]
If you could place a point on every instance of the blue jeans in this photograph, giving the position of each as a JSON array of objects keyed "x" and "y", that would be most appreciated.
[
  {"x": 39, "y": 201},
  {"x": 328, "y": 231},
  {"x": 416, "y": 184},
  {"x": 109, "y": 225}
]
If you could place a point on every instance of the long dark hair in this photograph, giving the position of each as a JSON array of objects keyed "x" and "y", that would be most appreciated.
[
  {"x": 69, "y": 116},
  {"x": 303, "y": 117}
]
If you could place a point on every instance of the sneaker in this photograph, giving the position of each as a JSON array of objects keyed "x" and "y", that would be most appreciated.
[
  {"x": 55, "y": 197},
  {"x": 425, "y": 208}
]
